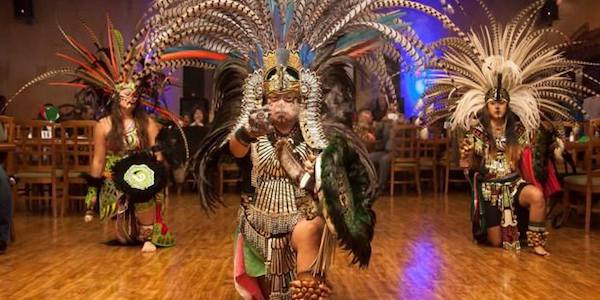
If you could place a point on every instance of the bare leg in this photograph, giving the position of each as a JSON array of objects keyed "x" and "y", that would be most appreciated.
[
  {"x": 494, "y": 236},
  {"x": 533, "y": 198},
  {"x": 306, "y": 239},
  {"x": 123, "y": 226},
  {"x": 121, "y": 235},
  {"x": 146, "y": 217}
]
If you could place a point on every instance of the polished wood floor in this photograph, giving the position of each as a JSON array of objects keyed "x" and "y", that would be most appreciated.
[{"x": 422, "y": 250}]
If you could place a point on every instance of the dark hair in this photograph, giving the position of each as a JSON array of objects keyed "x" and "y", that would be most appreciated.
[
  {"x": 364, "y": 110},
  {"x": 512, "y": 134},
  {"x": 193, "y": 112},
  {"x": 117, "y": 131},
  {"x": 196, "y": 108}
]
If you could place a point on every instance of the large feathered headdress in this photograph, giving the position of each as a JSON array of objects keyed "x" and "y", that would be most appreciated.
[
  {"x": 281, "y": 45},
  {"x": 514, "y": 62},
  {"x": 284, "y": 44},
  {"x": 110, "y": 68}
]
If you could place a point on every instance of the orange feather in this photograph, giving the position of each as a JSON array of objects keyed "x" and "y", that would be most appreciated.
[
  {"x": 110, "y": 47},
  {"x": 69, "y": 84},
  {"x": 194, "y": 54},
  {"x": 85, "y": 66}
]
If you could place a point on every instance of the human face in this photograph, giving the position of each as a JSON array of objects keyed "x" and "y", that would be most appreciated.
[
  {"x": 198, "y": 116},
  {"x": 497, "y": 109},
  {"x": 284, "y": 107},
  {"x": 365, "y": 117},
  {"x": 127, "y": 101}
]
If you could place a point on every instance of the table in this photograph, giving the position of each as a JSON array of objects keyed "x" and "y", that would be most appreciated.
[{"x": 7, "y": 147}]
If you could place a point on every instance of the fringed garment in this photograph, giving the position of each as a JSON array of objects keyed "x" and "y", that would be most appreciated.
[
  {"x": 267, "y": 219},
  {"x": 496, "y": 186},
  {"x": 115, "y": 204}
]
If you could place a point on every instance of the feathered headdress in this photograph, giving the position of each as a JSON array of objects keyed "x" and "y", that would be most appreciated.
[
  {"x": 110, "y": 68},
  {"x": 281, "y": 45},
  {"x": 514, "y": 62}
]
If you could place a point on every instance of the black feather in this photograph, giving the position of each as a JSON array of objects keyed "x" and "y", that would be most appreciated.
[
  {"x": 347, "y": 199},
  {"x": 139, "y": 158},
  {"x": 229, "y": 84}
]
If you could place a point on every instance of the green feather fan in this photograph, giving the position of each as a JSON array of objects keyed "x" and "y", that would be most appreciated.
[{"x": 346, "y": 203}]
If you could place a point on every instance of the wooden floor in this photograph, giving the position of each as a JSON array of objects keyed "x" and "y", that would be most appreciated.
[{"x": 422, "y": 250}]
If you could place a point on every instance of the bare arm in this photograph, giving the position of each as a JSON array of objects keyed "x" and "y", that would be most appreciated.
[
  {"x": 97, "y": 166},
  {"x": 100, "y": 133},
  {"x": 153, "y": 129},
  {"x": 237, "y": 148}
]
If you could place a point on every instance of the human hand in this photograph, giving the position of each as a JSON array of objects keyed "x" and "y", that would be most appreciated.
[{"x": 258, "y": 122}]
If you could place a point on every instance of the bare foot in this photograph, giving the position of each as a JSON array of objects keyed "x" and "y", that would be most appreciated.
[
  {"x": 541, "y": 251},
  {"x": 148, "y": 247}
]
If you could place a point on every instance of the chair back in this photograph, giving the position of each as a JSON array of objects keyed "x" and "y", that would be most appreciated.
[
  {"x": 36, "y": 146},
  {"x": 566, "y": 127},
  {"x": 405, "y": 143},
  {"x": 77, "y": 140},
  {"x": 592, "y": 153},
  {"x": 8, "y": 124},
  {"x": 427, "y": 150}
]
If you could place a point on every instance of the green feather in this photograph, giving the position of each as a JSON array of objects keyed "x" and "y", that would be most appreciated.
[
  {"x": 119, "y": 46},
  {"x": 347, "y": 205}
]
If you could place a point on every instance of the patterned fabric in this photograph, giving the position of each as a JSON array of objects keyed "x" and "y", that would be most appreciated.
[
  {"x": 498, "y": 183},
  {"x": 113, "y": 203},
  {"x": 90, "y": 197},
  {"x": 268, "y": 217}
]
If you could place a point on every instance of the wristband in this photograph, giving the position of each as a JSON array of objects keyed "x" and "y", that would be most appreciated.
[{"x": 244, "y": 137}]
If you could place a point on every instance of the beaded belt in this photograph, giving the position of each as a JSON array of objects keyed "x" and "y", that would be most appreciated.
[{"x": 269, "y": 224}]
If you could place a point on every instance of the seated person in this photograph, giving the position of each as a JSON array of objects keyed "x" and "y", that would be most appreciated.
[
  {"x": 5, "y": 193},
  {"x": 376, "y": 138}
]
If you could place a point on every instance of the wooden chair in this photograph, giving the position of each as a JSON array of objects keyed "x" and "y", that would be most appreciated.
[
  {"x": 77, "y": 145},
  {"x": 588, "y": 183},
  {"x": 565, "y": 128},
  {"x": 428, "y": 156},
  {"x": 37, "y": 158},
  {"x": 228, "y": 168},
  {"x": 405, "y": 157},
  {"x": 8, "y": 124},
  {"x": 184, "y": 176},
  {"x": 450, "y": 165}
]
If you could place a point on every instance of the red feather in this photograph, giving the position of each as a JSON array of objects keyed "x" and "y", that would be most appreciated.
[
  {"x": 195, "y": 54},
  {"x": 161, "y": 111},
  {"x": 69, "y": 84},
  {"x": 92, "y": 58},
  {"x": 83, "y": 65},
  {"x": 110, "y": 47}
]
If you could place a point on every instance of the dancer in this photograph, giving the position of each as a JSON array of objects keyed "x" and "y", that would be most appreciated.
[
  {"x": 127, "y": 178},
  {"x": 307, "y": 181},
  {"x": 498, "y": 86}
]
